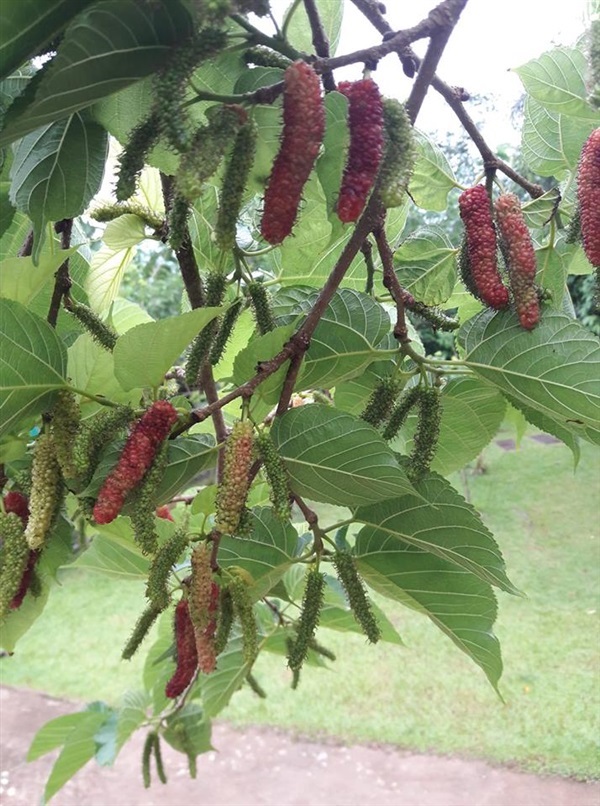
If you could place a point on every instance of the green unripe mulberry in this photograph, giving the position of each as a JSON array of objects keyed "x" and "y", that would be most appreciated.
[
  {"x": 157, "y": 588},
  {"x": 14, "y": 555},
  {"x": 140, "y": 631},
  {"x": 426, "y": 436},
  {"x": 276, "y": 475},
  {"x": 131, "y": 162},
  {"x": 400, "y": 412},
  {"x": 262, "y": 307},
  {"x": 312, "y": 603},
  {"x": 103, "y": 334},
  {"x": 66, "y": 418},
  {"x": 380, "y": 402},
  {"x": 93, "y": 436},
  {"x": 357, "y": 597},
  {"x": 227, "y": 323},
  {"x": 244, "y": 612},
  {"x": 234, "y": 184},
  {"x": 46, "y": 492},
  {"x": 399, "y": 155},
  {"x": 216, "y": 283},
  {"x": 143, "y": 503}
]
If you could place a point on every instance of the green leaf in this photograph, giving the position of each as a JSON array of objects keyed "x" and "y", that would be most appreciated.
[
  {"x": 160, "y": 663},
  {"x": 79, "y": 748},
  {"x": 432, "y": 178},
  {"x": 426, "y": 265},
  {"x": 551, "y": 143},
  {"x": 220, "y": 686},
  {"x": 330, "y": 166},
  {"x": 22, "y": 281},
  {"x": 344, "y": 342},
  {"x": 260, "y": 349},
  {"x": 125, "y": 314},
  {"x": 188, "y": 730},
  {"x": 336, "y": 458},
  {"x": 32, "y": 364},
  {"x": 554, "y": 369},
  {"x": 266, "y": 554},
  {"x": 187, "y": 457},
  {"x": 56, "y": 171},
  {"x": 105, "y": 48},
  {"x": 557, "y": 80},
  {"x": 104, "y": 278},
  {"x": 337, "y": 615},
  {"x": 53, "y": 734},
  {"x": 131, "y": 715},
  {"x": 125, "y": 231},
  {"x": 91, "y": 369},
  {"x": 538, "y": 212},
  {"x": 161, "y": 343},
  {"x": 299, "y": 32},
  {"x": 472, "y": 412},
  {"x": 439, "y": 559},
  {"x": 28, "y": 25},
  {"x": 548, "y": 425},
  {"x": 114, "y": 553}
]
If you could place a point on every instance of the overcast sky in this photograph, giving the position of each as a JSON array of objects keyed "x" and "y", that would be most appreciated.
[{"x": 492, "y": 36}]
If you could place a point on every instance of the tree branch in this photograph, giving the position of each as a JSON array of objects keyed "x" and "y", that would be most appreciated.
[
  {"x": 62, "y": 281},
  {"x": 27, "y": 246},
  {"x": 447, "y": 15},
  {"x": 390, "y": 281},
  {"x": 320, "y": 41}
]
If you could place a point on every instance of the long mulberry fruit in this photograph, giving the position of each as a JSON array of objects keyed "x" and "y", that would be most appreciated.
[
  {"x": 234, "y": 183},
  {"x": 365, "y": 120},
  {"x": 359, "y": 603},
  {"x": 66, "y": 418},
  {"x": 588, "y": 193},
  {"x": 233, "y": 489},
  {"x": 399, "y": 156},
  {"x": 46, "y": 492},
  {"x": 141, "y": 447},
  {"x": 276, "y": 475},
  {"x": 303, "y": 130},
  {"x": 187, "y": 658},
  {"x": 309, "y": 619},
  {"x": 481, "y": 247},
  {"x": 520, "y": 257},
  {"x": 204, "y": 605},
  {"x": 427, "y": 433},
  {"x": 14, "y": 557}
]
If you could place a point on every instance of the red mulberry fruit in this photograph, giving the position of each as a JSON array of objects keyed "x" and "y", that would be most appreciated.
[
  {"x": 138, "y": 455},
  {"x": 475, "y": 211},
  {"x": 588, "y": 193},
  {"x": 187, "y": 657},
  {"x": 365, "y": 120},
  {"x": 520, "y": 257},
  {"x": 303, "y": 130}
]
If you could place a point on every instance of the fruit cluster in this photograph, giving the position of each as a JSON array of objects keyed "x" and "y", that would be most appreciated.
[{"x": 233, "y": 489}]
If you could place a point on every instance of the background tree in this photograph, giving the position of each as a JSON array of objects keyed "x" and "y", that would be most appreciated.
[{"x": 289, "y": 369}]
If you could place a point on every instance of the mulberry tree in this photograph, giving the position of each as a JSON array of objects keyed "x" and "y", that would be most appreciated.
[{"x": 203, "y": 450}]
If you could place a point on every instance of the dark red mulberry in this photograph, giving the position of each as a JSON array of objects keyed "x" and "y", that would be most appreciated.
[
  {"x": 303, "y": 130},
  {"x": 187, "y": 657},
  {"x": 138, "y": 454},
  {"x": 476, "y": 213},
  {"x": 520, "y": 258},
  {"x": 588, "y": 193},
  {"x": 365, "y": 120}
]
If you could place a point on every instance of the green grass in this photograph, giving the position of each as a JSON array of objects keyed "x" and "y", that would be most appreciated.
[{"x": 426, "y": 696}]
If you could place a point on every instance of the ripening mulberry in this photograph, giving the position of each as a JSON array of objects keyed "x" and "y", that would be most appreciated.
[
  {"x": 481, "y": 247},
  {"x": 204, "y": 606},
  {"x": 185, "y": 644},
  {"x": 139, "y": 452},
  {"x": 303, "y": 130},
  {"x": 588, "y": 193},
  {"x": 233, "y": 489},
  {"x": 46, "y": 492},
  {"x": 399, "y": 156},
  {"x": 520, "y": 257},
  {"x": 365, "y": 121},
  {"x": 16, "y": 502}
]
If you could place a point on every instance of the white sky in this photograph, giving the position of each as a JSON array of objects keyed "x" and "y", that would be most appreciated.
[{"x": 491, "y": 37}]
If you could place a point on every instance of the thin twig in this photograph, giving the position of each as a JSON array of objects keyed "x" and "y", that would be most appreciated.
[
  {"x": 27, "y": 247},
  {"x": 390, "y": 281},
  {"x": 312, "y": 519}
]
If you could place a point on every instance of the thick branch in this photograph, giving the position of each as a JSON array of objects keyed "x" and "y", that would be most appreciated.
[
  {"x": 62, "y": 278},
  {"x": 188, "y": 267},
  {"x": 320, "y": 41},
  {"x": 447, "y": 17}
]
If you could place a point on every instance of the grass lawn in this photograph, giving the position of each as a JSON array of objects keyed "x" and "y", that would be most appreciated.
[{"x": 426, "y": 695}]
